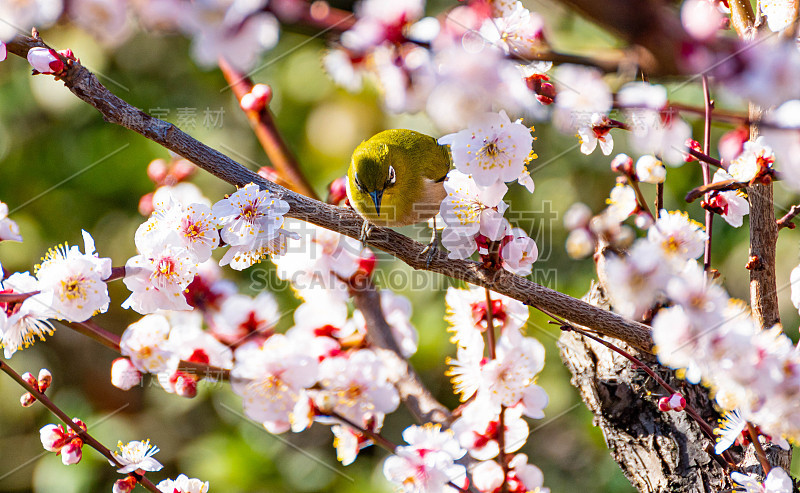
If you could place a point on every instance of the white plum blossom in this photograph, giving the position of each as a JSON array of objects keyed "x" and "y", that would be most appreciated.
[
  {"x": 580, "y": 243},
  {"x": 24, "y": 15},
  {"x": 755, "y": 159},
  {"x": 596, "y": 131},
  {"x": 621, "y": 202},
  {"x": 702, "y": 19},
  {"x": 427, "y": 463},
  {"x": 237, "y": 31},
  {"x": 251, "y": 221},
  {"x": 635, "y": 281},
  {"x": 730, "y": 428},
  {"x": 241, "y": 316},
  {"x": 466, "y": 368},
  {"x": 322, "y": 262},
  {"x": 518, "y": 31},
  {"x": 73, "y": 283},
  {"x": 159, "y": 281},
  {"x": 193, "y": 227},
  {"x": 107, "y": 20},
  {"x": 478, "y": 429},
  {"x": 732, "y": 205},
  {"x": 357, "y": 386},
  {"x": 272, "y": 378},
  {"x": 22, "y": 323},
  {"x": 493, "y": 150},
  {"x": 470, "y": 209},
  {"x": 183, "y": 484},
  {"x": 642, "y": 95},
  {"x": 184, "y": 193},
  {"x": 777, "y": 481},
  {"x": 145, "y": 343},
  {"x": 779, "y": 13},
  {"x": 467, "y": 314},
  {"x": 519, "y": 253},
  {"x": 510, "y": 379},
  {"x": 188, "y": 342},
  {"x": 649, "y": 169},
  {"x": 679, "y": 237},
  {"x": 9, "y": 231},
  {"x": 488, "y": 476},
  {"x": 136, "y": 455},
  {"x": 348, "y": 443},
  {"x": 582, "y": 92}
]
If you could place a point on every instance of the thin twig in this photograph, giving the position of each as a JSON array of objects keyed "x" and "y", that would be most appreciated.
[
  {"x": 705, "y": 158},
  {"x": 709, "y": 216},
  {"x": 501, "y": 434},
  {"x": 762, "y": 456},
  {"x": 723, "y": 185},
  {"x": 786, "y": 220},
  {"x": 85, "y": 436},
  {"x": 265, "y": 129}
]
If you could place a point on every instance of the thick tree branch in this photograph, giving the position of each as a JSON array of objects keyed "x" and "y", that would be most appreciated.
[
  {"x": 417, "y": 398},
  {"x": 345, "y": 221}
]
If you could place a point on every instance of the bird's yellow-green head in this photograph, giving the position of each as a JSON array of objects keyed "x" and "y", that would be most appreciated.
[
  {"x": 371, "y": 174},
  {"x": 395, "y": 177}
]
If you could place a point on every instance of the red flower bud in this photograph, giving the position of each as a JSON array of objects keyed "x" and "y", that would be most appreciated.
[{"x": 337, "y": 190}]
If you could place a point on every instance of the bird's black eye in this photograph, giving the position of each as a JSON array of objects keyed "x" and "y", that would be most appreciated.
[
  {"x": 391, "y": 179},
  {"x": 358, "y": 183}
]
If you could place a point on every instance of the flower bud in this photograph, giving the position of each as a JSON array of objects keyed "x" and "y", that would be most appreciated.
[
  {"x": 124, "y": 375},
  {"x": 27, "y": 399},
  {"x": 677, "y": 402},
  {"x": 693, "y": 145},
  {"x": 157, "y": 170},
  {"x": 30, "y": 380},
  {"x": 268, "y": 173},
  {"x": 185, "y": 385},
  {"x": 577, "y": 216},
  {"x": 182, "y": 169},
  {"x": 643, "y": 220},
  {"x": 731, "y": 143},
  {"x": 3, "y": 51},
  {"x": 623, "y": 164},
  {"x": 124, "y": 485},
  {"x": 71, "y": 453},
  {"x": 146, "y": 204},
  {"x": 337, "y": 190},
  {"x": 250, "y": 102},
  {"x": 45, "y": 60},
  {"x": 663, "y": 404},
  {"x": 547, "y": 93},
  {"x": 263, "y": 93},
  {"x": 367, "y": 261},
  {"x": 45, "y": 379},
  {"x": 80, "y": 424}
]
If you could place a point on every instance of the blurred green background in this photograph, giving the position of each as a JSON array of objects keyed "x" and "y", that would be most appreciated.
[{"x": 64, "y": 169}]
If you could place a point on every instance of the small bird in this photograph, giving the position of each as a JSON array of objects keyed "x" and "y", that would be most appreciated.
[{"x": 396, "y": 179}]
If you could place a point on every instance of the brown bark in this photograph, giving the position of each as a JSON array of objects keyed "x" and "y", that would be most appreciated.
[{"x": 657, "y": 451}]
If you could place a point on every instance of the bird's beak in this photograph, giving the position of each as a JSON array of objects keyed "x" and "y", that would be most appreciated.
[{"x": 376, "y": 199}]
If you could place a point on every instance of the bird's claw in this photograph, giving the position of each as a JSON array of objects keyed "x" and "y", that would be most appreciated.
[
  {"x": 431, "y": 249},
  {"x": 366, "y": 229}
]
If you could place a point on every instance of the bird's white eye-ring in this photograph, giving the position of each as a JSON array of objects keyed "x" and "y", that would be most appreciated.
[{"x": 392, "y": 178}]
